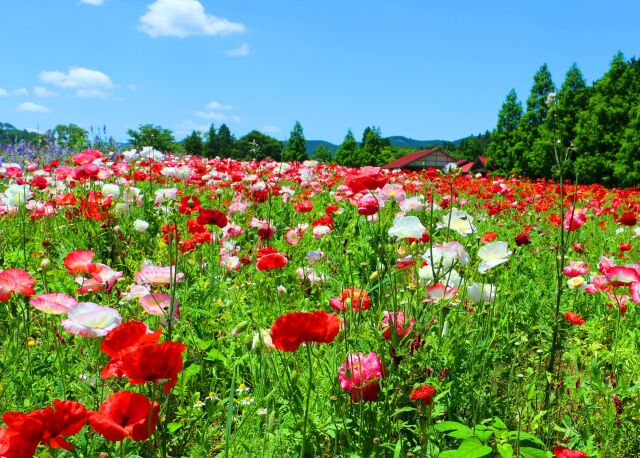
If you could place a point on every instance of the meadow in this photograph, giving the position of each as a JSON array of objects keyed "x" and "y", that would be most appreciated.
[{"x": 153, "y": 305}]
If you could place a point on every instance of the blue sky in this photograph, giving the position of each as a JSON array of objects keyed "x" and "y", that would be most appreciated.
[{"x": 423, "y": 69}]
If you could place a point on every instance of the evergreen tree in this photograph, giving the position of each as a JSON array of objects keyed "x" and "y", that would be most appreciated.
[
  {"x": 193, "y": 144},
  {"x": 296, "y": 145},
  {"x": 347, "y": 151},
  {"x": 225, "y": 142},
  {"x": 323, "y": 154},
  {"x": 503, "y": 138},
  {"x": 627, "y": 165},
  {"x": 211, "y": 143},
  {"x": 258, "y": 146},
  {"x": 602, "y": 126},
  {"x": 370, "y": 152},
  {"x": 534, "y": 149}
]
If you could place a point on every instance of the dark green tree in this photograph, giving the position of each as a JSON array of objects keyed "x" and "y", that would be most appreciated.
[
  {"x": 370, "y": 151},
  {"x": 503, "y": 138},
  {"x": 347, "y": 151},
  {"x": 296, "y": 149},
  {"x": 154, "y": 136},
  {"x": 256, "y": 145},
  {"x": 225, "y": 142},
  {"x": 627, "y": 165},
  {"x": 534, "y": 149},
  {"x": 193, "y": 144},
  {"x": 72, "y": 137},
  {"x": 211, "y": 142},
  {"x": 323, "y": 154}
]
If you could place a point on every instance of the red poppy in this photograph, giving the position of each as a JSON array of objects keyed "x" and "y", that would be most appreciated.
[
  {"x": 488, "y": 237},
  {"x": 212, "y": 217},
  {"x": 153, "y": 362},
  {"x": 628, "y": 219},
  {"x": 292, "y": 329},
  {"x": 563, "y": 452},
  {"x": 49, "y": 425},
  {"x": 271, "y": 261},
  {"x": 304, "y": 206},
  {"x": 574, "y": 318},
  {"x": 358, "y": 298},
  {"x": 125, "y": 414},
  {"x": 365, "y": 178},
  {"x": 188, "y": 205},
  {"x": 120, "y": 340},
  {"x": 523, "y": 239},
  {"x": 424, "y": 393},
  {"x": 79, "y": 262},
  {"x": 368, "y": 205},
  {"x": 15, "y": 281}
]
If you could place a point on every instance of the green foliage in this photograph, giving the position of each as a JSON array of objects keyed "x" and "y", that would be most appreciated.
[
  {"x": 9, "y": 134},
  {"x": 296, "y": 145},
  {"x": 193, "y": 144},
  {"x": 154, "y": 136},
  {"x": 347, "y": 151},
  {"x": 258, "y": 146},
  {"x": 225, "y": 142},
  {"x": 72, "y": 137},
  {"x": 323, "y": 154},
  {"x": 597, "y": 123},
  {"x": 210, "y": 148},
  {"x": 370, "y": 150}
]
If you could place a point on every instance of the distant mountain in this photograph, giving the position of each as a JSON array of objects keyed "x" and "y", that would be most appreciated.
[
  {"x": 313, "y": 144},
  {"x": 406, "y": 142}
]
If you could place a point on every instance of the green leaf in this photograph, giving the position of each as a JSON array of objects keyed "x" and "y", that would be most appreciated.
[
  {"x": 470, "y": 448},
  {"x": 404, "y": 409},
  {"x": 454, "y": 429},
  {"x": 398, "y": 450},
  {"x": 505, "y": 450},
  {"x": 173, "y": 427},
  {"x": 529, "y": 452},
  {"x": 483, "y": 433},
  {"x": 525, "y": 437},
  {"x": 216, "y": 355}
]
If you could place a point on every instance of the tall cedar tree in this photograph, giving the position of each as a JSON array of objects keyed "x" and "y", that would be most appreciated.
[
  {"x": 323, "y": 154},
  {"x": 211, "y": 143},
  {"x": 503, "y": 138},
  {"x": 534, "y": 150},
  {"x": 193, "y": 144},
  {"x": 296, "y": 145},
  {"x": 225, "y": 142},
  {"x": 346, "y": 153},
  {"x": 370, "y": 151}
]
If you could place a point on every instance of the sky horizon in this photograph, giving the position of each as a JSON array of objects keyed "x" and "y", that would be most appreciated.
[{"x": 420, "y": 69}]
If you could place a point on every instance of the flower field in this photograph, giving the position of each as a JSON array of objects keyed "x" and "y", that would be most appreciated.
[{"x": 153, "y": 305}]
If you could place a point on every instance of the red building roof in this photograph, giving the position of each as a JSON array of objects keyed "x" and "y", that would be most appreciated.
[{"x": 411, "y": 157}]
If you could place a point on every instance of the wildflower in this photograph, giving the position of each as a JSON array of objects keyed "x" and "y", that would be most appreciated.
[
  {"x": 125, "y": 414},
  {"x": 576, "y": 283},
  {"x": 368, "y": 205},
  {"x": 17, "y": 195},
  {"x": 88, "y": 319},
  {"x": 573, "y": 318},
  {"x": 459, "y": 221},
  {"x": 493, "y": 254},
  {"x": 522, "y": 239},
  {"x": 140, "y": 225},
  {"x": 293, "y": 329},
  {"x": 15, "y": 281},
  {"x": 481, "y": 293},
  {"x": 242, "y": 388},
  {"x": 271, "y": 261},
  {"x": 157, "y": 275},
  {"x": 560, "y": 451},
  {"x": 406, "y": 227},
  {"x": 628, "y": 219},
  {"x": 576, "y": 268},
  {"x": 360, "y": 375},
  {"x": 424, "y": 393},
  {"x": 357, "y": 298},
  {"x": 212, "y": 217},
  {"x": 54, "y": 303},
  {"x": 397, "y": 321},
  {"x": 78, "y": 261}
]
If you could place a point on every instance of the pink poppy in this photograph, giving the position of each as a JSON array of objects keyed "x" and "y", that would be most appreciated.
[
  {"x": 159, "y": 304},
  {"x": 157, "y": 275},
  {"x": 87, "y": 319},
  {"x": 360, "y": 375},
  {"x": 574, "y": 219},
  {"x": 397, "y": 321},
  {"x": 104, "y": 274},
  {"x": 78, "y": 261},
  {"x": 54, "y": 303},
  {"x": 575, "y": 269},
  {"x": 15, "y": 281}
]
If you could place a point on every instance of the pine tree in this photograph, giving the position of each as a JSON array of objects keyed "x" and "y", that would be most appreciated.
[
  {"x": 536, "y": 150},
  {"x": 193, "y": 144},
  {"x": 322, "y": 154},
  {"x": 211, "y": 144},
  {"x": 296, "y": 145},
  {"x": 370, "y": 151},
  {"x": 346, "y": 153},
  {"x": 225, "y": 142},
  {"x": 500, "y": 149},
  {"x": 627, "y": 164}
]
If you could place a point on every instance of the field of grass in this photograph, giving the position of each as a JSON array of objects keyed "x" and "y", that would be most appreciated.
[{"x": 274, "y": 309}]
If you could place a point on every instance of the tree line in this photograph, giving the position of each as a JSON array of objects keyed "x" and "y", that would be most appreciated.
[{"x": 599, "y": 124}]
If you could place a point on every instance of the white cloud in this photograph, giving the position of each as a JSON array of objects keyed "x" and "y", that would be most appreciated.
[
  {"x": 269, "y": 129},
  {"x": 236, "y": 118},
  {"x": 33, "y": 107},
  {"x": 241, "y": 51},
  {"x": 16, "y": 92},
  {"x": 40, "y": 91},
  {"x": 182, "y": 18},
  {"x": 77, "y": 78},
  {"x": 186, "y": 127},
  {"x": 92, "y": 2},
  {"x": 93, "y": 94},
  {"x": 218, "y": 106},
  {"x": 214, "y": 115}
]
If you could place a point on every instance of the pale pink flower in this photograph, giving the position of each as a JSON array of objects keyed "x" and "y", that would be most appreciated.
[
  {"x": 53, "y": 303},
  {"x": 157, "y": 275},
  {"x": 87, "y": 319},
  {"x": 360, "y": 375}
]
